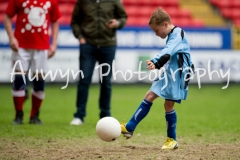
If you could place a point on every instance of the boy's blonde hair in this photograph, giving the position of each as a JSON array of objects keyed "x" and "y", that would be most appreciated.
[{"x": 159, "y": 16}]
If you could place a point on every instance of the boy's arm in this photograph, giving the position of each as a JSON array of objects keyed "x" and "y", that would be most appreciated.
[
  {"x": 168, "y": 51},
  {"x": 53, "y": 47},
  {"x": 161, "y": 61},
  {"x": 150, "y": 65},
  {"x": 171, "y": 46},
  {"x": 13, "y": 42}
]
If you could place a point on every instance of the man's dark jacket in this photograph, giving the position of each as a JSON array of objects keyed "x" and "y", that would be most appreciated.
[{"x": 89, "y": 20}]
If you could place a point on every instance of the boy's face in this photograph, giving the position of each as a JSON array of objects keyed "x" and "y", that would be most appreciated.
[{"x": 160, "y": 30}]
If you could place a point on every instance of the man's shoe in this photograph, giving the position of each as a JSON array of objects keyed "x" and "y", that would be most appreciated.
[
  {"x": 19, "y": 118},
  {"x": 125, "y": 132},
  {"x": 35, "y": 119},
  {"x": 76, "y": 122},
  {"x": 170, "y": 144}
]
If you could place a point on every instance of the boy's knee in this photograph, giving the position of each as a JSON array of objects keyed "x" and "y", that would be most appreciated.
[
  {"x": 150, "y": 96},
  {"x": 38, "y": 85},
  {"x": 19, "y": 83},
  {"x": 169, "y": 105}
]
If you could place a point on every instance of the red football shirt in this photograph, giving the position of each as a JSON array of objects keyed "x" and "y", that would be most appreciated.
[{"x": 33, "y": 20}]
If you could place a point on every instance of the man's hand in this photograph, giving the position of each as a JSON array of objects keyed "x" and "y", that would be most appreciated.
[
  {"x": 82, "y": 41},
  {"x": 113, "y": 23},
  {"x": 150, "y": 64}
]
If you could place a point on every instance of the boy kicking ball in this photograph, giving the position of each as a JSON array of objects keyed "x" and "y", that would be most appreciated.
[{"x": 176, "y": 61}]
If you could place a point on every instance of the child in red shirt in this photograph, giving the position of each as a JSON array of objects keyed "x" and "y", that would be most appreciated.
[{"x": 31, "y": 47}]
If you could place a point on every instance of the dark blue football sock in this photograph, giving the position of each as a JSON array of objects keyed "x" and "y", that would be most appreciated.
[
  {"x": 18, "y": 83},
  {"x": 140, "y": 113},
  {"x": 171, "y": 119}
]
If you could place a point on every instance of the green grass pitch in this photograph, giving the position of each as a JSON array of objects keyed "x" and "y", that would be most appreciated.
[{"x": 210, "y": 115}]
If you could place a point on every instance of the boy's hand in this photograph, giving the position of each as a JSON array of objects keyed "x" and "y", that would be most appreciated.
[
  {"x": 14, "y": 44},
  {"x": 52, "y": 51},
  {"x": 150, "y": 64}
]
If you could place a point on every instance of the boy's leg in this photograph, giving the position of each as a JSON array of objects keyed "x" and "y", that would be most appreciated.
[
  {"x": 140, "y": 113},
  {"x": 18, "y": 94},
  {"x": 38, "y": 66},
  {"x": 26, "y": 86},
  {"x": 21, "y": 61},
  {"x": 171, "y": 121},
  {"x": 37, "y": 98}
]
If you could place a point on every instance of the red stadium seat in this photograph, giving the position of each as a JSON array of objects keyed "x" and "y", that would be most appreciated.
[
  {"x": 2, "y": 18},
  {"x": 132, "y": 21},
  {"x": 139, "y": 12},
  {"x": 3, "y": 7},
  {"x": 235, "y": 14},
  {"x": 186, "y": 22},
  {"x": 214, "y": 2},
  {"x": 144, "y": 3},
  {"x": 143, "y": 21},
  {"x": 235, "y": 4},
  {"x": 145, "y": 11},
  {"x": 64, "y": 20},
  {"x": 197, "y": 23},
  {"x": 184, "y": 13},
  {"x": 66, "y": 1},
  {"x": 226, "y": 12},
  {"x": 223, "y": 4},
  {"x": 66, "y": 9},
  {"x": 137, "y": 21},
  {"x": 177, "y": 12},
  {"x": 171, "y": 3},
  {"x": 132, "y": 10},
  {"x": 182, "y": 22},
  {"x": 158, "y": 3},
  {"x": 229, "y": 9},
  {"x": 172, "y": 11},
  {"x": 236, "y": 22},
  {"x": 130, "y": 2},
  {"x": 226, "y": 3}
]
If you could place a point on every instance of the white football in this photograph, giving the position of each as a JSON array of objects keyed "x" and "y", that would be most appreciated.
[{"x": 108, "y": 129}]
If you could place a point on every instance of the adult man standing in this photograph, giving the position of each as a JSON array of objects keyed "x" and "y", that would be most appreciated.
[{"x": 94, "y": 24}]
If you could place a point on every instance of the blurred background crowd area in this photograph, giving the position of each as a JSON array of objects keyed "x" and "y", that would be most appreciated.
[{"x": 184, "y": 13}]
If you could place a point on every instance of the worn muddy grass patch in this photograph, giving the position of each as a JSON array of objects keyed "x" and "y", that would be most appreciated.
[{"x": 139, "y": 148}]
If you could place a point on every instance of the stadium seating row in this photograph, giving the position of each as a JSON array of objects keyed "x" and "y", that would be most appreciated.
[
  {"x": 226, "y": 3},
  {"x": 138, "y": 11},
  {"x": 181, "y": 22},
  {"x": 3, "y": 7},
  {"x": 168, "y": 3},
  {"x": 66, "y": 1},
  {"x": 147, "y": 11},
  {"x": 231, "y": 13},
  {"x": 229, "y": 9}
]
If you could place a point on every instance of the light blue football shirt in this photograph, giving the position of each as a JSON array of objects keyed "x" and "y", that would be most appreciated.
[{"x": 171, "y": 84}]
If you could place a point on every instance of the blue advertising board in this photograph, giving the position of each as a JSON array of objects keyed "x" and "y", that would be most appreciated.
[
  {"x": 199, "y": 38},
  {"x": 144, "y": 38}
]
